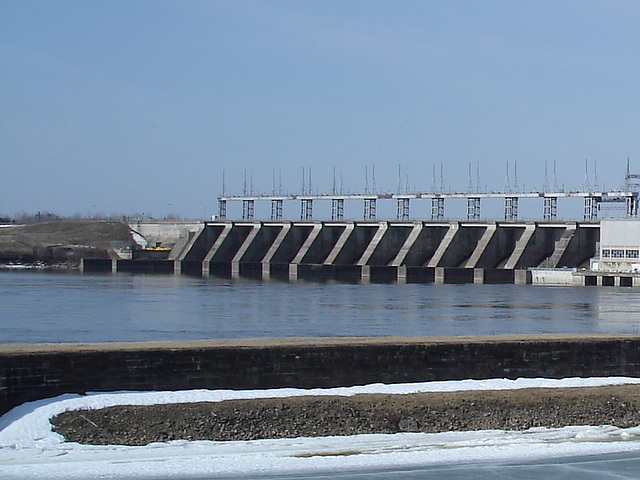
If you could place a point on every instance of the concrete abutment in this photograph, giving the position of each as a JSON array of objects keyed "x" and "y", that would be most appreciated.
[{"x": 33, "y": 372}]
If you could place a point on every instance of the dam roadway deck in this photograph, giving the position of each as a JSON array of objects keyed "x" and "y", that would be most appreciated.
[{"x": 411, "y": 251}]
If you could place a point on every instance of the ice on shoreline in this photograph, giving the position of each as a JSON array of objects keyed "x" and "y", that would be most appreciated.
[
  {"x": 22, "y": 266},
  {"x": 29, "y": 449}
]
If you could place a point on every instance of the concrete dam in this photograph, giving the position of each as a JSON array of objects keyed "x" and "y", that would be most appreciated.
[{"x": 409, "y": 251}]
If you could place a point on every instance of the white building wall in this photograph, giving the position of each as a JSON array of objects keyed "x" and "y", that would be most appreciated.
[
  {"x": 619, "y": 245},
  {"x": 620, "y": 232}
]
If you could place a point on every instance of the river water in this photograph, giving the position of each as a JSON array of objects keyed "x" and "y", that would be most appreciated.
[
  {"x": 40, "y": 306},
  {"x": 72, "y": 307}
]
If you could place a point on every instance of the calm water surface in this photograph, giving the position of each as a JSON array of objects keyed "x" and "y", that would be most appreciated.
[{"x": 70, "y": 307}]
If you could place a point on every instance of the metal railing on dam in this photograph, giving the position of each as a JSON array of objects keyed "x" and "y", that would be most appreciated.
[
  {"x": 413, "y": 251},
  {"x": 591, "y": 200}
]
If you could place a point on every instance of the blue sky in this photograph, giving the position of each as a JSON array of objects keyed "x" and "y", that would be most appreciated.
[{"x": 139, "y": 106}]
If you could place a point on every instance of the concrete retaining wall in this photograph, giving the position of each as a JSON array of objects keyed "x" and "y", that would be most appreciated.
[
  {"x": 31, "y": 372},
  {"x": 164, "y": 233},
  {"x": 552, "y": 277}
]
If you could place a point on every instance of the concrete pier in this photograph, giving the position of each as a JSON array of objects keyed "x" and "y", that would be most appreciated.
[{"x": 607, "y": 279}]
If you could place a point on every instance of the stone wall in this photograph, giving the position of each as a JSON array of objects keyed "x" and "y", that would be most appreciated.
[{"x": 31, "y": 372}]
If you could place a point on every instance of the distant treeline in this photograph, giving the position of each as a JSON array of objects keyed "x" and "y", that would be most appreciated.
[{"x": 27, "y": 218}]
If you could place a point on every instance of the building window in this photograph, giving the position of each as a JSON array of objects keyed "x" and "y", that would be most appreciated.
[
  {"x": 634, "y": 253},
  {"x": 606, "y": 253},
  {"x": 617, "y": 253}
]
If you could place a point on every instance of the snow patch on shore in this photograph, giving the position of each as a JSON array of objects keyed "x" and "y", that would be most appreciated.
[{"x": 30, "y": 449}]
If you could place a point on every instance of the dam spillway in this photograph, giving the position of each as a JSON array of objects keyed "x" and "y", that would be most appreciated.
[{"x": 405, "y": 251}]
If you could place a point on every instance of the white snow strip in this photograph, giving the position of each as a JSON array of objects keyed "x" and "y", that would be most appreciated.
[
  {"x": 29, "y": 449},
  {"x": 18, "y": 266}
]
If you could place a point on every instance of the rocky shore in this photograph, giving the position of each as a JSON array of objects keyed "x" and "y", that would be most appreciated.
[{"x": 314, "y": 416}]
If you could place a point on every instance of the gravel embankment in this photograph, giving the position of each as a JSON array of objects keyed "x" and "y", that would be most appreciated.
[
  {"x": 63, "y": 241},
  {"x": 371, "y": 413}
]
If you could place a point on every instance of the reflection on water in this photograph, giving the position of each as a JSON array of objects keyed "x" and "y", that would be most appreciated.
[
  {"x": 619, "y": 309},
  {"x": 618, "y": 466},
  {"x": 54, "y": 307}
]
